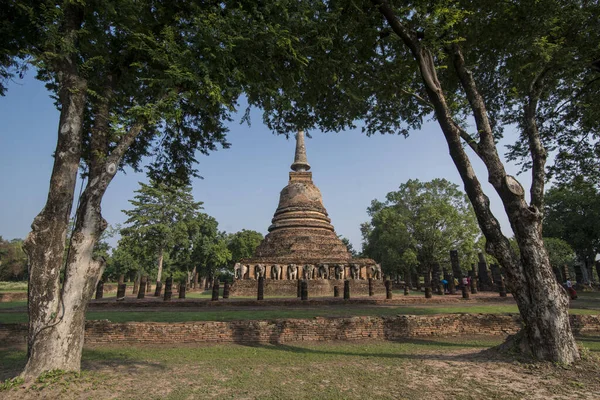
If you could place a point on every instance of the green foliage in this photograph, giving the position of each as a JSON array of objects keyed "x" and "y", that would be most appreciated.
[
  {"x": 358, "y": 68},
  {"x": 161, "y": 226},
  {"x": 560, "y": 252},
  {"x": 14, "y": 34},
  {"x": 13, "y": 260},
  {"x": 211, "y": 254},
  {"x": 11, "y": 383},
  {"x": 572, "y": 213},
  {"x": 13, "y": 286},
  {"x": 419, "y": 224},
  {"x": 127, "y": 258},
  {"x": 348, "y": 245},
  {"x": 243, "y": 243},
  {"x": 175, "y": 69}
]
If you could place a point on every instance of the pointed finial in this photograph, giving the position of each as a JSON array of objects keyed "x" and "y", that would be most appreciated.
[{"x": 300, "y": 162}]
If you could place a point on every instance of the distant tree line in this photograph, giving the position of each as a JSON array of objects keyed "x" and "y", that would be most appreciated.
[
  {"x": 167, "y": 234},
  {"x": 13, "y": 260}
]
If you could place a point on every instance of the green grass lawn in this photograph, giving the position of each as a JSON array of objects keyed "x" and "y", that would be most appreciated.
[
  {"x": 223, "y": 314},
  {"x": 13, "y": 287},
  {"x": 12, "y": 304},
  {"x": 440, "y": 368},
  {"x": 588, "y": 303}
]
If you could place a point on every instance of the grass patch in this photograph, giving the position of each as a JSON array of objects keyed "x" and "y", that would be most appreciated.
[
  {"x": 13, "y": 286},
  {"x": 444, "y": 368},
  {"x": 298, "y": 313},
  {"x": 13, "y": 304}
]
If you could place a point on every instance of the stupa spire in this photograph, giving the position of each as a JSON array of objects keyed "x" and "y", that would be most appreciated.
[{"x": 300, "y": 162}]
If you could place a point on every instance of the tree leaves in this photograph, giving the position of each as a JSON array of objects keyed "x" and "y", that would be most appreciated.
[{"x": 419, "y": 224}]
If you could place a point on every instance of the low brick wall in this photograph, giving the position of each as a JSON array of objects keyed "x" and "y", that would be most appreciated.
[
  {"x": 13, "y": 296},
  {"x": 294, "y": 330},
  {"x": 316, "y": 287}
]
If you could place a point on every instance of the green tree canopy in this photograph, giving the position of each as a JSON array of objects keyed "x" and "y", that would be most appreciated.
[
  {"x": 210, "y": 252},
  {"x": 243, "y": 243},
  {"x": 348, "y": 245},
  {"x": 130, "y": 78},
  {"x": 572, "y": 213},
  {"x": 560, "y": 253},
  {"x": 163, "y": 219},
  {"x": 477, "y": 67},
  {"x": 419, "y": 224},
  {"x": 13, "y": 260},
  {"x": 128, "y": 258}
]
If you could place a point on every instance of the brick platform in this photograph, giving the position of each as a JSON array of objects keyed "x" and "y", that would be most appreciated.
[
  {"x": 316, "y": 287},
  {"x": 294, "y": 330},
  {"x": 157, "y": 302}
]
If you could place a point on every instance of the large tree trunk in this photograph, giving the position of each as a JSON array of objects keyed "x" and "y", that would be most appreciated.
[
  {"x": 57, "y": 317},
  {"x": 546, "y": 333},
  {"x": 45, "y": 244},
  {"x": 161, "y": 257},
  {"x": 61, "y": 346}
]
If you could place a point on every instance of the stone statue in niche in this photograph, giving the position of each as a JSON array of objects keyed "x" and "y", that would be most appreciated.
[
  {"x": 354, "y": 271},
  {"x": 292, "y": 271},
  {"x": 240, "y": 271},
  {"x": 276, "y": 272},
  {"x": 308, "y": 271},
  {"x": 376, "y": 271},
  {"x": 323, "y": 271},
  {"x": 339, "y": 271},
  {"x": 259, "y": 271}
]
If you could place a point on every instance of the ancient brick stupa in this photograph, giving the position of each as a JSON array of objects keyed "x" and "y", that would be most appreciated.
[{"x": 301, "y": 242}]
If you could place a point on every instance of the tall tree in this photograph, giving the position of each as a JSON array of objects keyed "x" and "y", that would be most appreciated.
[
  {"x": 572, "y": 213},
  {"x": 130, "y": 77},
  {"x": 161, "y": 219},
  {"x": 243, "y": 243},
  {"x": 13, "y": 261},
  {"x": 210, "y": 248},
  {"x": 348, "y": 245},
  {"x": 560, "y": 254},
  {"x": 126, "y": 258},
  {"x": 391, "y": 64},
  {"x": 421, "y": 222}
]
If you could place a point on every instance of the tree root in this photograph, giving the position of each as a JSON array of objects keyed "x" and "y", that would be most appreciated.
[{"x": 517, "y": 344}]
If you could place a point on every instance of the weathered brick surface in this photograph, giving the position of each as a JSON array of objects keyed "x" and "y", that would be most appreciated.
[
  {"x": 379, "y": 299},
  {"x": 294, "y": 330},
  {"x": 316, "y": 287}
]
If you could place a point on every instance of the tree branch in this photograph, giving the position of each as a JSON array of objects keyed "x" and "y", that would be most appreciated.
[
  {"x": 465, "y": 76},
  {"x": 416, "y": 96},
  {"x": 537, "y": 150},
  {"x": 114, "y": 159},
  {"x": 498, "y": 244},
  {"x": 469, "y": 140}
]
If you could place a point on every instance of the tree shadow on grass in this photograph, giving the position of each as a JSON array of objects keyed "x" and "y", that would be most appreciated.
[
  {"x": 485, "y": 355},
  {"x": 15, "y": 358},
  {"x": 13, "y": 362},
  {"x": 96, "y": 360}
]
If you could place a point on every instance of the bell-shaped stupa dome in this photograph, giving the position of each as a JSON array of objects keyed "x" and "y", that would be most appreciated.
[{"x": 301, "y": 232}]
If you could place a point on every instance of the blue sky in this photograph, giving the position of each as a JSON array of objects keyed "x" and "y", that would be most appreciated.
[{"x": 241, "y": 185}]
